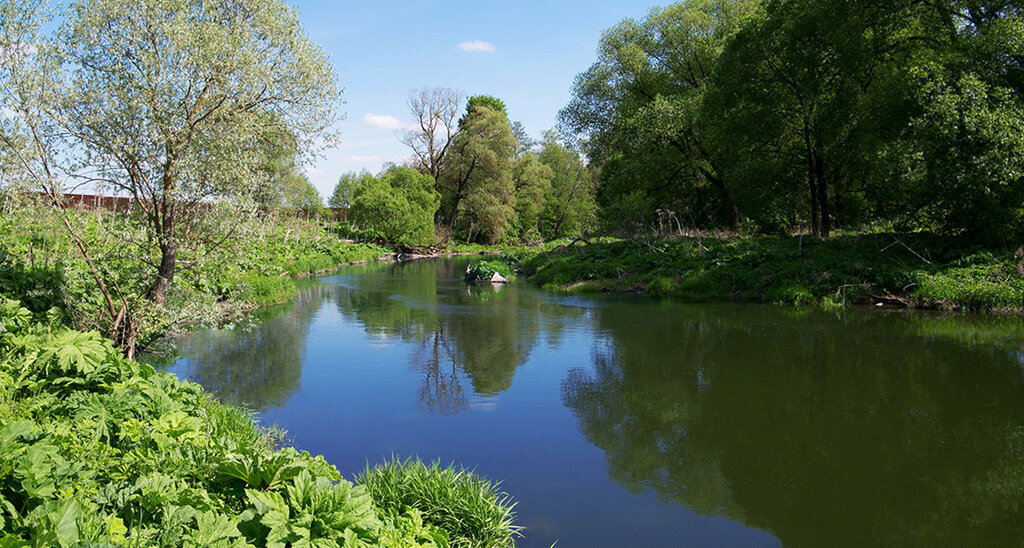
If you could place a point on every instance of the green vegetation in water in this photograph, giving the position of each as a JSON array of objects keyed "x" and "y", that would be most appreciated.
[
  {"x": 449, "y": 498},
  {"x": 920, "y": 270},
  {"x": 151, "y": 460},
  {"x": 483, "y": 271}
]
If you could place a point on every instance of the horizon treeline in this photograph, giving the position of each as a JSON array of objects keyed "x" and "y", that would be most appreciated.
[{"x": 478, "y": 179}]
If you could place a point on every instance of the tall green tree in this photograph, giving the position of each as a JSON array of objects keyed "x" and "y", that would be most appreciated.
[
  {"x": 345, "y": 188},
  {"x": 532, "y": 182},
  {"x": 167, "y": 100},
  {"x": 795, "y": 103},
  {"x": 476, "y": 183},
  {"x": 279, "y": 181},
  {"x": 958, "y": 165},
  {"x": 570, "y": 206},
  {"x": 638, "y": 108}
]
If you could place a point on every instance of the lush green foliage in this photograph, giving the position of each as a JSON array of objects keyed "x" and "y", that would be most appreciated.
[
  {"x": 399, "y": 206},
  {"x": 569, "y": 205},
  {"x": 486, "y": 101},
  {"x": 477, "y": 191},
  {"x": 43, "y": 267},
  {"x": 792, "y": 115},
  {"x": 495, "y": 185},
  {"x": 344, "y": 189},
  {"x": 473, "y": 510},
  {"x": 150, "y": 460},
  {"x": 485, "y": 270},
  {"x": 639, "y": 106},
  {"x": 920, "y": 270}
]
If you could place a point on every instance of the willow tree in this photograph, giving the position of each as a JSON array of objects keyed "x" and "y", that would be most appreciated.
[
  {"x": 476, "y": 183},
  {"x": 170, "y": 97}
]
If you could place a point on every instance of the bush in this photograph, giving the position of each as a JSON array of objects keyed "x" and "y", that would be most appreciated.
[
  {"x": 148, "y": 460},
  {"x": 399, "y": 206},
  {"x": 263, "y": 290},
  {"x": 484, "y": 270},
  {"x": 470, "y": 508}
]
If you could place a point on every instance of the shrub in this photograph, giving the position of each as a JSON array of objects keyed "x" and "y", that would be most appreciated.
[
  {"x": 264, "y": 290},
  {"x": 399, "y": 206},
  {"x": 470, "y": 508},
  {"x": 484, "y": 270}
]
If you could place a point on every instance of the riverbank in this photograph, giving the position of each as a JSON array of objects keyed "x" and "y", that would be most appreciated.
[
  {"x": 151, "y": 460},
  {"x": 252, "y": 261},
  {"x": 917, "y": 271}
]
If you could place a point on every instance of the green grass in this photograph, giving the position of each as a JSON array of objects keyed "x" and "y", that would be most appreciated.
[
  {"x": 264, "y": 290},
  {"x": 919, "y": 270},
  {"x": 470, "y": 508}
]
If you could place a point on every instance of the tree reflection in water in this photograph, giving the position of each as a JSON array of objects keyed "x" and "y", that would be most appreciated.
[
  {"x": 480, "y": 333},
  {"x": 258, "y": 368},
  {"x": 862, "y": 431}
]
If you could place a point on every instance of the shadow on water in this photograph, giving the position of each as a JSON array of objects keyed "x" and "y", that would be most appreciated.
[{"x": 866, "y": 430}]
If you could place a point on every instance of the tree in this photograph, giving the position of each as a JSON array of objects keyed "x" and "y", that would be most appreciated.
[
  {"x": 795, "y": 99},
  {"x": 279, "y": 182},
  {"x": 641, "y": 101},
  {"x": 569, "y": 203},
  {"x": 958, "y": 162},
  {"x": 476, "y": 183},
  {"x": 532, "y": 182},
  {"x": 346, "y": 186},
  {"x": 488, "y": 101},
  {"x": 435, "y": 110},
  {"x": 168, "y": 100},
  {"x": 300, "y": 195},
  {"x": 400, "y": 206}
]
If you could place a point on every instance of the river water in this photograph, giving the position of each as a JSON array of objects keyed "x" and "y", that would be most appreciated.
[{"x": 630, "y": 421}]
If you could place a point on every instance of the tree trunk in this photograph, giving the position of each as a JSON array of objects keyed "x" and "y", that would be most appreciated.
[
  {"x": 729, "y": 211},
  {"x": 165, "y": 272},
  {"x": 813, "y": 186},
  {"x": 819, "y": 174}
]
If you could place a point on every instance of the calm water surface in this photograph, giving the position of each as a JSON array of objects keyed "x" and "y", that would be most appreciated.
[{"x": 625, "y": 421}]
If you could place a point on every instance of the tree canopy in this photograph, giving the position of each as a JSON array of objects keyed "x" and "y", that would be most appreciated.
[
  {"x": 169, "y": 100},
  {"x": 796, "y": 115}
]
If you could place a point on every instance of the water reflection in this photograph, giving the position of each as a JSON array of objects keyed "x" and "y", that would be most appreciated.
[
  {"x": 861, "y": 429},
  {"x": 858, "y": 431},
  {"x": 260, "y": 367},
  {"x": 480, "y": 332}
]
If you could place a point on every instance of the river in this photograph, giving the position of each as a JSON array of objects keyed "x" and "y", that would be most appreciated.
[{"x": 632, "y": 421}]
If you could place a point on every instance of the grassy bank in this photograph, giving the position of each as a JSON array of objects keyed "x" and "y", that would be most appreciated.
[
  {"x": 149, "y": 460},
  {"x": 920, "y": 270},
  {"x": 251, "y": 262}
]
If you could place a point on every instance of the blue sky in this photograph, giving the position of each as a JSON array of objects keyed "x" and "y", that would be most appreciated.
[{"x": 527, "y": 54}]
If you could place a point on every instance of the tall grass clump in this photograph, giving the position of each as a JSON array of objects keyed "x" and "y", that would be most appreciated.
[
  {"x": 472, "y": 509},
  {"x": 263, "y": 290}
]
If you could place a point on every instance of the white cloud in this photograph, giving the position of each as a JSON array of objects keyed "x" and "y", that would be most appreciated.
[
  {"x": 472, "y": 46},
  {"x": 383, "y": 121},
  {"x": 366, "y": 159},
  {"x": 8, "y": 113}
]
